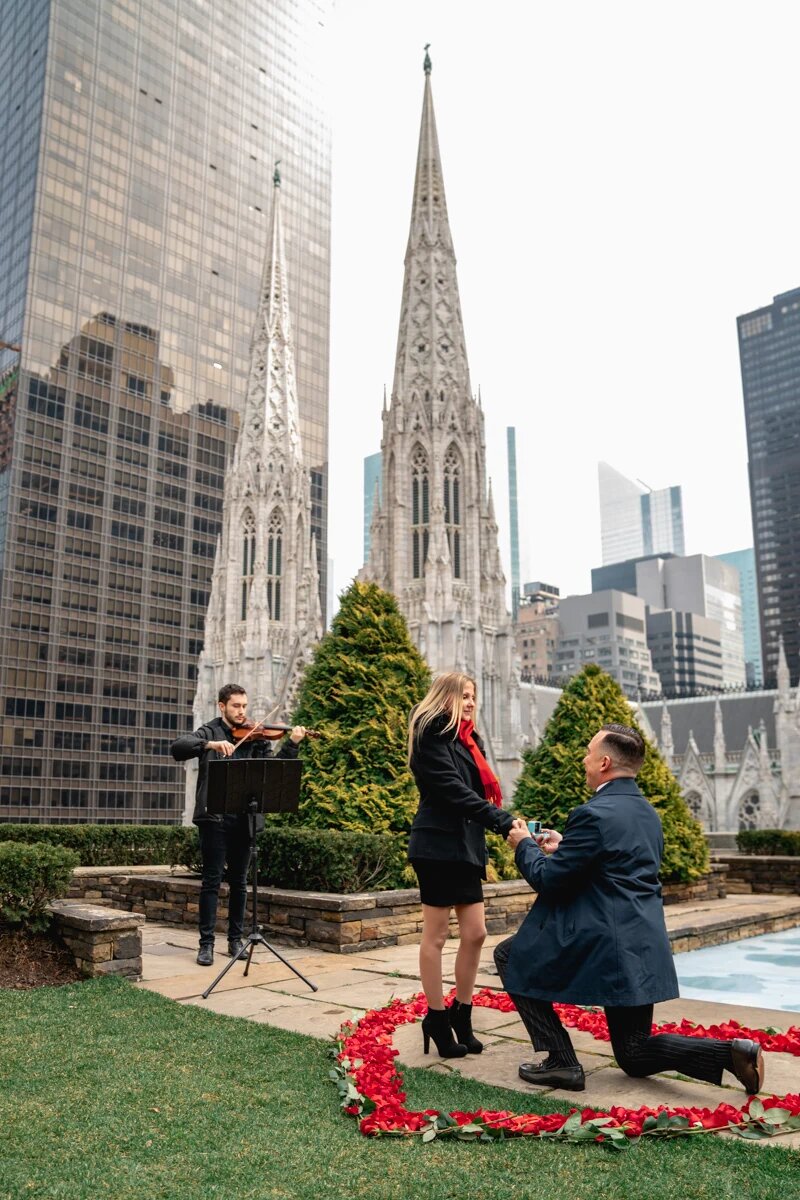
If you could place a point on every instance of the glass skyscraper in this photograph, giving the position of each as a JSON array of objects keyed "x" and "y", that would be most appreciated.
[
  {"x": 635, "y": 520},
  {"x": 769, "y": 352},
  {"x": 138, "y": 143},
  {"x": 745, "y": 563}
]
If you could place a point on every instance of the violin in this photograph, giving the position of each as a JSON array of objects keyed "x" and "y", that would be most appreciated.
[{"x": 262, "y": 731}]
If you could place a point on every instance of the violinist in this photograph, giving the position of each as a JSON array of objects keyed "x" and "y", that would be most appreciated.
[{"x": 225, "y": 839}]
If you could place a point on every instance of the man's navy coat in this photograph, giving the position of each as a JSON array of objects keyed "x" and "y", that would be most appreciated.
[{"x": 596, "y": 934}]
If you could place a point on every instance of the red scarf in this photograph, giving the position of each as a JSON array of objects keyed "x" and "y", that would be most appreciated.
[{"x": 491, "y": 787}]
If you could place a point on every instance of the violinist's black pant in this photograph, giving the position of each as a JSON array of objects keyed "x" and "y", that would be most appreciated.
[
  {"x": 221, "y": 842},
  {"x": 638, "y": 1051}
]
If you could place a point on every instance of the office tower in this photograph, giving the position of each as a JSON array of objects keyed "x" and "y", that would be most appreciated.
[
  {"x": 745, "y": 563},
  {"x": 607, "y": 628},
  {"x": 706, "y": 586},
  {"x": 636, "y": 520},
  {"x": 769, "y": 353},
  {"x": 372, "y": 481},
  {"x": 434, "y": 538},
  {"x": 138, "y": 148},
  {"x": 686, "y": 650},
  {"x": 536, "y": 630},
  {"x": 513, "y": 514}
]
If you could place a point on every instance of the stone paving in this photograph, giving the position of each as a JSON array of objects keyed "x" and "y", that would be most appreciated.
[{"x": 348, "y": 986}]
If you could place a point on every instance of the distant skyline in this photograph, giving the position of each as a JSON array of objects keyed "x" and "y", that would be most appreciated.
[{"x": 620, "y": 188}]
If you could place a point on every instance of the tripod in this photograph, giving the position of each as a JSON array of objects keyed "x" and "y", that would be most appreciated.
[{"x": 232, "y": 791}]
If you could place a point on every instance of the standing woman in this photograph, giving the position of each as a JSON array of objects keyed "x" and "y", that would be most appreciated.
[{"x": 459, "y": 797}]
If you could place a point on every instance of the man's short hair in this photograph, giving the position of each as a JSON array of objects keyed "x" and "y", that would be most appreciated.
[
  {"x": 228, "y": 690},
  {"x": 625, "y": 745}
]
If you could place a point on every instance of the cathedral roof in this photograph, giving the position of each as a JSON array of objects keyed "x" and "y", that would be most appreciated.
[{"x": 740, "y": 710}]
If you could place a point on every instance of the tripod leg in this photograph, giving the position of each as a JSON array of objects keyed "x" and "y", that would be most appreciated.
[
  {"x": 223, "y": 973},
  {"x": 263, "y": 942},
  {"x": 250, "y": 952}
]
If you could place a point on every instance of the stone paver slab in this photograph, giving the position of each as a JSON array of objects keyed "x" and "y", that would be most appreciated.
[
  {"x": 327, "y": 981},
  {"x": 708, "y": 1012},
  {"x": 246, "y": 1002},
  {"x": 313, "y": 1018},
  {"x": 374, "y": 994}
]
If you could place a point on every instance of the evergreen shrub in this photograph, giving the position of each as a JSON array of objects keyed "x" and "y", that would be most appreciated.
[
  {"x": 106, "y": 845},
  {"x": 552, "y": 781},
  {"x": 365, "y": 677},
  {"x": 31, "y": 876},
  {"x": 769, "y": 841}
]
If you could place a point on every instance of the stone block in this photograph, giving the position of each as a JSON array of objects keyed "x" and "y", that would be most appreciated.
[
  {"x": 348, "y": 932},
  {"x": 130, "y": 967},
  {"x": 128, "y": 945}
]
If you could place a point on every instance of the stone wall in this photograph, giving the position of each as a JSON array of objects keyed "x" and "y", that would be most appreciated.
[
  {"x": 102, "y": 942},
  {"x": 324, "y": 920},
  {"x": 762, "y": 873}
]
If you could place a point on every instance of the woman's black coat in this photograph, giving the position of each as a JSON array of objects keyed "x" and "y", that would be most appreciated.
[{"x": 452, "y": 813}]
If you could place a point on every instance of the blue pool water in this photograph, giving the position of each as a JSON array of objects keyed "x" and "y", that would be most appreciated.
[{"x": 762, "y": 972}]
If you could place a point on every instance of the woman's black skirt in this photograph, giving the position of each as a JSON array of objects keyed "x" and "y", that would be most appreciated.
[{"x": 443, "y": 883}]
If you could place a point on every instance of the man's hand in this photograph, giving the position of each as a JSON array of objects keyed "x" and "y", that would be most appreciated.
[
  {"x": 548, "y": 841},
  {"x": 297, "y": 734},
  {"x": 226, "y": 749},
  {"x": 517, "y": 833}
]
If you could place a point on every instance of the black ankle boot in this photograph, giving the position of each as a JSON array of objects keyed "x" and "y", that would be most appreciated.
[
  {"x": 436, "y": 1025},
  {"x": 461, "y": 1020}
]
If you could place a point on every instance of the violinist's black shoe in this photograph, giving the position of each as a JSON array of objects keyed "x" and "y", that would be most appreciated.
[
  {"x": 205, "y": 955},
  {"x": 569, "y": 1079},
  {"x": 235, "y": 947}
]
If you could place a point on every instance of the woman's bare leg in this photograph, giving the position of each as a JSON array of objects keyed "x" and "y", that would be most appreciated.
[
  {"x": 472, "y": 935},
  {"x": 435, "y": 927}
]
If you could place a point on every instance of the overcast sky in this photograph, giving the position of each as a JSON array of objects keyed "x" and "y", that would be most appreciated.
[{"x": 621, "y": 181}]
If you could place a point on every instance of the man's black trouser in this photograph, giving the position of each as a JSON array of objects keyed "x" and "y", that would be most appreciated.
[
  {"x": 221, "y": 842},
  {"x": 637, "y": 1051}
]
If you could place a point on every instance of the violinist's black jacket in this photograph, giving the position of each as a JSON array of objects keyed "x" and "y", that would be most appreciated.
[{"x": 192, "y": 745}]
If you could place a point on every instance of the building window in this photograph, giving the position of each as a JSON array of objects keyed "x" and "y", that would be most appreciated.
[
  {"x": 274, "y": 564},
  {"x": 452, "y": 508},
  {"x": 420, "y": 511},
  {"x": 248, "y": 557}
]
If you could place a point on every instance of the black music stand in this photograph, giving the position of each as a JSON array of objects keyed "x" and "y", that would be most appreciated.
[{"x": 249, "y": 786}]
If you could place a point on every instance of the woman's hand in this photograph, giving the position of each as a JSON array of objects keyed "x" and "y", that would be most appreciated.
[{"x": 517, "y": 833}]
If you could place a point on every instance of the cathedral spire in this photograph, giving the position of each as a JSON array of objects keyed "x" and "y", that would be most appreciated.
[
  {"x": 431, "y": 352},
  {"x": 270, "y": 418}
]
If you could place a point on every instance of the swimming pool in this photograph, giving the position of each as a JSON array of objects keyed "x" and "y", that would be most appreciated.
[{"x": 762, "y": 972}]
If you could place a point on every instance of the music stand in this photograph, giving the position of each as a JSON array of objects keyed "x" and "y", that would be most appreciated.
[{"x": 250, "y": 786}]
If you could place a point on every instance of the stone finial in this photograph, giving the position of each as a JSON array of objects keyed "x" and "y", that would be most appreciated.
[
  {"x": 720, "y": 749},
  {"x": 427, "y": 64}
]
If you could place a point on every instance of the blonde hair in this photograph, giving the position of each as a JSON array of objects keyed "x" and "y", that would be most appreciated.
[{"x": 445, "y": 697}]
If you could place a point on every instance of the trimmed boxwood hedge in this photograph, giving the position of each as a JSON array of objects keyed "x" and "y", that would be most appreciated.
[
  {"x": 31, "y": 876},
  {"x": 107, "y": 845},
  {"x": 296, "y": 857},
  {"x": 769, "y": 841}
]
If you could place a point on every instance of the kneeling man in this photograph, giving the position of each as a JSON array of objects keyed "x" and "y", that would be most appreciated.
[{"x": 596, "y": 934}]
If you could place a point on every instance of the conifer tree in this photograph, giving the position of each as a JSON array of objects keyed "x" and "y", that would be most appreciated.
[
  {"x": 552, "y": 781},
  {"x": 358, "y": 691}
]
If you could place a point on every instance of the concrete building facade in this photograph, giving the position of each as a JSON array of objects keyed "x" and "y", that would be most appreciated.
[{"x": 608, "y": 628}]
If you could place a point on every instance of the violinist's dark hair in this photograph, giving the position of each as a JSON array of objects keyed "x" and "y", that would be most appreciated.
[{"x": 228, "y": 690}]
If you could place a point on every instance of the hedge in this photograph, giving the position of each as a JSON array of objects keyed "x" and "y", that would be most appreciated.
[
  {"x": 31, "y": 876},
  {"x": 106, "y": 845},
  {"x": 296, "y": 857},
  {"x": 769, "y": 841}
]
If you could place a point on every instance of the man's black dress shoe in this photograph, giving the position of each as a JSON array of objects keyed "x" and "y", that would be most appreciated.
[
  {"x": 747, "y": 1064},
  {"x": 205, "y": 956},
  {"x": 571, "y": 1079},
  {"x": 235, "y": 946}
]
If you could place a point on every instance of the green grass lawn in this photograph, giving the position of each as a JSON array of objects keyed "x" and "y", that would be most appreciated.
[{"x": 109, "y": 1091}]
